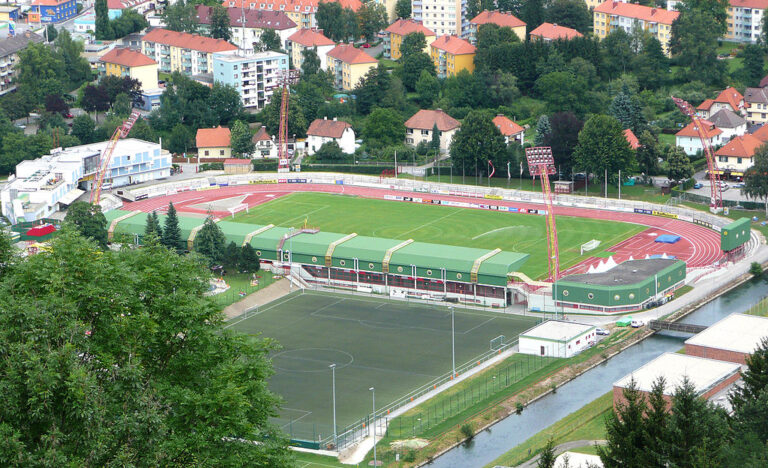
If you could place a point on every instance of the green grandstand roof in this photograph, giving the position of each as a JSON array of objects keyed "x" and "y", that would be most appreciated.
[
  {"x": 455, "y": 258},
  {"x": 312, "y": 244},
  {"x": 364, "y": 248}
]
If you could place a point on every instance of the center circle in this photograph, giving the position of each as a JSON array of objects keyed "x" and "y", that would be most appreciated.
[{"x": 311, "y": 360}]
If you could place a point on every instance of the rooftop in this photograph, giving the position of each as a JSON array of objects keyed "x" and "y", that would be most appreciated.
[
  {"x": 262, "y": 19},
  {"x": 702, "y": 373},
  {"x": 212, "y": 137},
  {"x": 327, "y": 128},
  {"x": 348, "y": 53},
  {"x": 426, "y": 119},
  {"x": 237, "y": 162},
  {"x": 737, "y": 332},
  {"x": 261, "y": 135},
  {"x": 730, "y": 96},
  {"x": 127, "y": 58},
  {"x": 453, "y": 45},
  {"x": 403, "y": 27},
  {"x": 741, "y": 146},
  {"x": 756, "y": 95},
  {"x": 629, "y": 272},
  {"x": 506, "y": 126},
  {"x": 188, "y": 41},
  {"x": 124, "y": 4},
  {"x": 690, "y": 130},
  {"x": 289, "y": 5},
  {"x": 554, "y": 32},
  {"x": 496, "y": 17},
  {"x": 631, "y": 10},
  {"x": 725, "y": 118},
  {"x": 557, "y": 330},
  {"x": 11, "y": 45},
  {"x": 310, "y": 38},
  {"x": 752, "y": 4}
]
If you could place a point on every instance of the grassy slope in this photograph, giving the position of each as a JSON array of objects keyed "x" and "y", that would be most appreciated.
[
  {"x": 241, "y": 282},
  {"x": 440, "y": 224},
  {"x": 310, "y": 460}
]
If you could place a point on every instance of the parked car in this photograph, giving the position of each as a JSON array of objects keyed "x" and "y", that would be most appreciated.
[
  {"x": 739, "y": 185},
  {"x": 366, "y": 46},
  {"x": 698, "y": 185},
  {"x": 602, "y": 331},
  {"x": 67, "y": 115},
  {"x": 637, "y": 323}
]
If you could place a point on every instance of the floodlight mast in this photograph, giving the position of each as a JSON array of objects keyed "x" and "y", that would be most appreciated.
[{"x": 542, "y": 163}]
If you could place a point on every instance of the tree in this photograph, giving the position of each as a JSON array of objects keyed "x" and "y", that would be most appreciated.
[
  {"x": 249, "y": 262},
  {"x": 656, "y": 426},
  {"x": 241, "y": 139},
  {"x": 8, "y": 253},
  {"x": 210, "y": 242},
  {"x": 128, "y": 336},
  {"x": 224, "y": 105},
  {"x": 171, "y": 235},
  {"x": 77, "y": 70},
  {"x": 754, "y": 64},
  {"x": 95, "y": 99},
  {"x": 679, "y": 165},
  {"x": 331, "y": 152},
  {"x": 624, "y": 430},
  {"x": 269, "y": 40},
  {"x": 180, "y": 140},
  {"x": 651, "y": 66},
  {"x": 56, "y": 104},
  {"x": 122, "y": 106},
  {"x": 626, "y": 109},
  {"x": 477, "y": 142},
  {"x": 371, "y": 18},
  {"x": 532, "y": 12},
  {"x": 543, "y": 129},
  {"x": 617, "y": 52},
  {"x": 413, "y": 43},
  {"x": 648, "y": 153},
  {"x": 473, "y": 8},
  {"x": 403, "y": 9},
  {"x": 571, "y": 13},
  {"x": 41, "y": 73},
  {"x": 330, "y": 19},
  {"x": 129, "y": 22},
  {"x": 563, "y": 91},
  {"x": 372, "y": 89},
  {"x": 153, "y": 232},
  {"x": 756, "y": 177},
  {"x": 296, "y": 123},
  {"x": 51, "y": 32},
  {"x": 220, "y": 28},
  {"x": 434, "y": 145},
  {"x": 231, "y": 256},
  {"x": 103, "y": 25},
  {"x": 89, "y": 221},
  {"x": 413, "y": 65},
  {"x": 384, "y": 127},
  {"x": 180, "y": 16},
  {"x": 428, "y": 88},
  {"x": 562, "y": 138},
  {"x": 603, "y": 147},
  {"x": 142, "y": 131},
  {"x": 310, "y": 64},
  {"x": 755, "y": 383},
  {"x": 694, "y": 39},
  {"x": 547, "y": 456}
]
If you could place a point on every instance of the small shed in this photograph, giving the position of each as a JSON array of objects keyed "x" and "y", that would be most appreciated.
[
  {"x": 557, "y": 338},
  {"x": 563, "y": 186},
  {"x": 237, "y": 166}
]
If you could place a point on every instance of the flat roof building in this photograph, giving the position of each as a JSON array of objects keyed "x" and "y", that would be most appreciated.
[
  {"x": 730, "y": 339},
  {"x": 557, "y": 338}
]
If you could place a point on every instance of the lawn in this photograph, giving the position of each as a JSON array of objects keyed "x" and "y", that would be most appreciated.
[
  {"x": 240, "y": 286},
  {"x": 485, "y": 229},
  {"x": 588, "y": 423},
  {"x": 393, "y": 346},
  {"x": 311, "y": 460}
]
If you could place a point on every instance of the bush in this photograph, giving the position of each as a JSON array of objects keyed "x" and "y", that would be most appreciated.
[
  {"x": 467, "y": 430},
  {"x": 269, "y": 165},
  {"x": 409, "y": 456},
  {"x": 756, "y": 269},
  {"x": 689, "y": 183},
  {"x": 519, "y": 407},
  {"x": 422, "y": 148},
  {"x": 217, "y": 166}
]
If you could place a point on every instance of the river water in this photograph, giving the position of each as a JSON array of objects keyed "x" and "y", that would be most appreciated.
[{"x": 515, "y": 429}]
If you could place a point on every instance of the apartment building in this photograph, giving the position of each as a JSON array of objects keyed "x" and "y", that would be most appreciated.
[
  {"x": 551, "y": 32},
  {"x": 248, "y": 25},
  {"x": 349, "y": 65},
  {"x": 613, "y": 14},
  {"x": 309, "y": 39},
  {"x": 253, "y": 75},
  {"x": 504, "y": 20},
  {"x": 745, "y": 20},
  {"x": 396, "y": 33},
  {"x": 442, "y": 16},
  {"x": 51, "y": 11},
  {"x": 451, "y": 55},
  {"x": 301, "y": 12},
  {"x": 9, "y": 56},
  {"x": 189, "y": 54},
  {"x": 126, "y": 62}
]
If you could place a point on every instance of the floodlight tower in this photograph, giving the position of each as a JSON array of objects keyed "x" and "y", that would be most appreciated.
[
  {"x": 716, "y": 195},
  {"x": 284, "y": 80},
  {"x": 542, "y": 163}
]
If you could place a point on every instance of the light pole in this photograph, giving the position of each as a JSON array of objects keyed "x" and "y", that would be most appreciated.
[
  {"x": 333, "y": 387},
  {"x": 453, "y": 346},
  {"x": 373, "y": 395}
]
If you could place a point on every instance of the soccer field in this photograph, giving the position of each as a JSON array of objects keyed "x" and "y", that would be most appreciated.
[
  {"x": 465, "y": 227},
  {"x": 394, "y": 346}
]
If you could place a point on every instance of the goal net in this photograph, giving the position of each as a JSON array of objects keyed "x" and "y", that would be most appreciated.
[
  {"x": 591, "y": 245},
  {"x": 238, "y": 208},
  {"x": 497, "y": 343}
]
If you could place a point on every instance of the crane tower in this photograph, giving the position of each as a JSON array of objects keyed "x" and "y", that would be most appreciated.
[
  {"x": 106, "y": 155},
  {"x": 542, "y": 163},
  {"x": 286, "y": 78}
]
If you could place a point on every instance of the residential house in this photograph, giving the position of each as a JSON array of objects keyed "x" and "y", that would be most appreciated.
[
  {"x": 419, "y": 128},
  {"x": 9, "y": 57},
  {"x": 323, "y": 131},
  {"x": 116, "y": 7},
  {"x": 511, "y": 130},
  {"x": 248, "y": 25},
  {"x": 126, "y": 62},
  {"x": 397, "y": 31},
  {"x": 730, "y": 123},
  {"x": 348, "y": 65},
  {"x": 496, "y": 17},
  {"x": 442, "y": 16},
  {"x": 729, "y": 98},
  {"x": 189, "y": 54},
  {"x": 688, "y": 137},
  {"x": 735, "y": 157},
  {"x": 213, "y": 143},
  {"x": 309, "y": 39},
  {"x": 756, "y": 100},
  {"x": 634, "y": 143},
  {"x": 265, "y": 144},
  {"x": 745, "y": 20},
  {"x": 301, "y": 12},
  {"x": 51, "y": 11},
  {"x": 9, "y": 13},
  {"x": 253, "y": 75},
  {"x": 551, "y": 32},
  {"x": 613, "y": 14},
  {"x": 389, "y": 7},
  {"x": 451, "y": 55}
]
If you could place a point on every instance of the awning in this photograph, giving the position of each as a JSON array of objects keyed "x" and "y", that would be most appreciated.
[{"x": 71, "y": 196}]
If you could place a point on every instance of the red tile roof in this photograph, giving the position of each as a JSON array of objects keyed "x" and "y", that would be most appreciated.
[
  {"x": 706, "y": 105},
  {"x": 731, "y": 97},
  {"x": 426, "y": 119},
  {"x": 761, "y": 133},
  {"x": 48, "y": 2},
  {"x": 632, "y": 139},
  {"x": 127, "y": 58},
  {"x": 123, "y": 4},
  {"x": 310, "y": 38},
  {"x": 349, "y": 54},
  {"x": 261, "y": 135},
  {"x": 554, "y": 32},
  {"x": 327, "y": 128},
  {"x": 289, "y": 6},
  {"x": 236, "y": 161},
  {"x": 753, "y": 4},
  {"x": 741, "y": 147},
  {"x": 631, "y": 10},
  {"x": 262, "y": 19},
  {"x": 403, "y": 27},
  {"x": 506, "y": 126},
  {"x": 212, "y": 137},
  {"x": 453, "y": 45},
  {"x": 690, "y": 130},
  {"x": 496, "y": 17},
  {"x": 188, "y": 41}
]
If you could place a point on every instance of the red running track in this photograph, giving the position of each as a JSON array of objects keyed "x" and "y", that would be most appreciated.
[{"x": 698, "y": 246}]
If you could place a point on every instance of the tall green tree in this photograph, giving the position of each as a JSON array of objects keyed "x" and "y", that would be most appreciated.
[
  {"x": 210, "y": 242},
  {"x": 413, "y": 43},
  {"x": 103, "y": 26},
  {"x": 570, "y": 13},
  {"x": 231, "y": 256},
  {"x": 180, "y": 16},
  {"x": 384, "y": 127},
  {"x": 625, "y": 107},
  {"x": 656, "y": 426},
  {"x": 434, "y": 145},
  {"x": 171, "y": 235},
  {"x": 543, "y": 129},
  {"x": 310, "y": 64},
  {"x": 76, "y": 68},
  {"x": 532, "y": 12},
  {"x": 241, "y": 139},
  {"x": 142, "y": 131},
  {"x": 41, "y": 73},
  {"x": 547, "y": 456},
  {"x": 473, "y": 8},
  {"x": 754, "y": 64},
  {"x": 563, "y": 137},
  {"x": 413, "y": 65},
  {"x": 563, "y": 91},
  {"x": 153, "y": 231},
  {"x": 220, "y": 27},
  {"x": 679, "y": 166},
  {"x": 694, "y": 42},
  {"x": 89, "y": 221},
  {"x": 296, "y": 123},
  {"x": 180, "y": 140},
  {"x": 8, "y": 253},
  {"x": 122, "y": 106},
  {"x": 748, "y": 398},
  {"x": 428, "y": 88},
  {"x": 371, "y": 18},
  {"x": 249, "y": 262},
  {"x": 268, "y": 40},
  {"x": 648, "y": 153},
  {"x": 330, "y": 19},
  {"x": 603, "y": 147},
  {"x": 624, "y": 431},
  {"x": 403, "y": 9},
  {"x": 477, "y": 142}
]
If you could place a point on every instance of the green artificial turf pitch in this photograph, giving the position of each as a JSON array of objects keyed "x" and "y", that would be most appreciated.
[
  {"x": 485, "y": 229},
  {"x": 393, "y": 346}
]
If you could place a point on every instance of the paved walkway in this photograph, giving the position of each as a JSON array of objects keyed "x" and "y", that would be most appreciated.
[
  {"x": 272, "y": 292},
  {"x": 564, "y": 447}
]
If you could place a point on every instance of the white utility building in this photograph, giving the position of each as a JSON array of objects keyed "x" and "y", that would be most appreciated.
[{"x": 557, "y": 338}]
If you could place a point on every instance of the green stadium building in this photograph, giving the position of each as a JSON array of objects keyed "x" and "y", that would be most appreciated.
[
  {"x": 630, "y": 286},
  {"x": 371, "y": 264}
]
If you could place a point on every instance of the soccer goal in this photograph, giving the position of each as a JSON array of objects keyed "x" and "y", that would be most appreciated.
[
  {"x": 238, "y": 208},
  {"x": 591, "y": 245},
  {"x": 497, "y": 343}
]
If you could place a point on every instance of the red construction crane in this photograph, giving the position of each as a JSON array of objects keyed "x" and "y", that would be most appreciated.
[
  {"x": 542, "y": 163},
  {"x": 700, "y": 125},
  {"x": 285, "y": 79},
  {"x": 106, "y": 155}
]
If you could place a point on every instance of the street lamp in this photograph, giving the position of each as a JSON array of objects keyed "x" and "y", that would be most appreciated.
[
  {"x": 373, "y": 395},
  {"x": 333, "y": 386}
]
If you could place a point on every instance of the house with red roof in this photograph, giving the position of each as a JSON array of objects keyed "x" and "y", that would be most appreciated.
[
  {"x": 51, "y": 11},
  {"x": 213, "y": 143},
  {"x": 613, "y": 14},
  {"x": 729, "y": 98},
  {"x": 688, "y": 137},
  {"x": 116, "y": 7},
  {"x": 451, "y": 55},
  {"x": 322, "y": 131},
  {"x": 308, "y": 39},
  {"x": 634, "y": 143},
  {"x": 551, "y": 32},
  {"x": 348, "y": 65},
  {"x": 735, "y": 157},
  {"x": 419, "y": 128},
  {"x": 248, "y": 25},
  {"x": 190, "y": 54},
  {"x": 132, "y": 63},
  {"x": 396, "y": 33},
  {"x": 504, "y": 20},
  {"x": 745, "y": 20},
  {"x": 264, "y": 143},
  {"x": 301, "y": 12},
  {"x": 511, "y": 130}
]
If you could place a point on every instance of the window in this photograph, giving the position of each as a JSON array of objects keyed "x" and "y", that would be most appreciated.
[{"x": 221, "y": 152}]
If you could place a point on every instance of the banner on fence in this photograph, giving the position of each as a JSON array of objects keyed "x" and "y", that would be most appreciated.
[
  {"x": 701, "y": 222},
  {"x": 664, "y": 214},
  {"x": 263, "y": 181}
]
